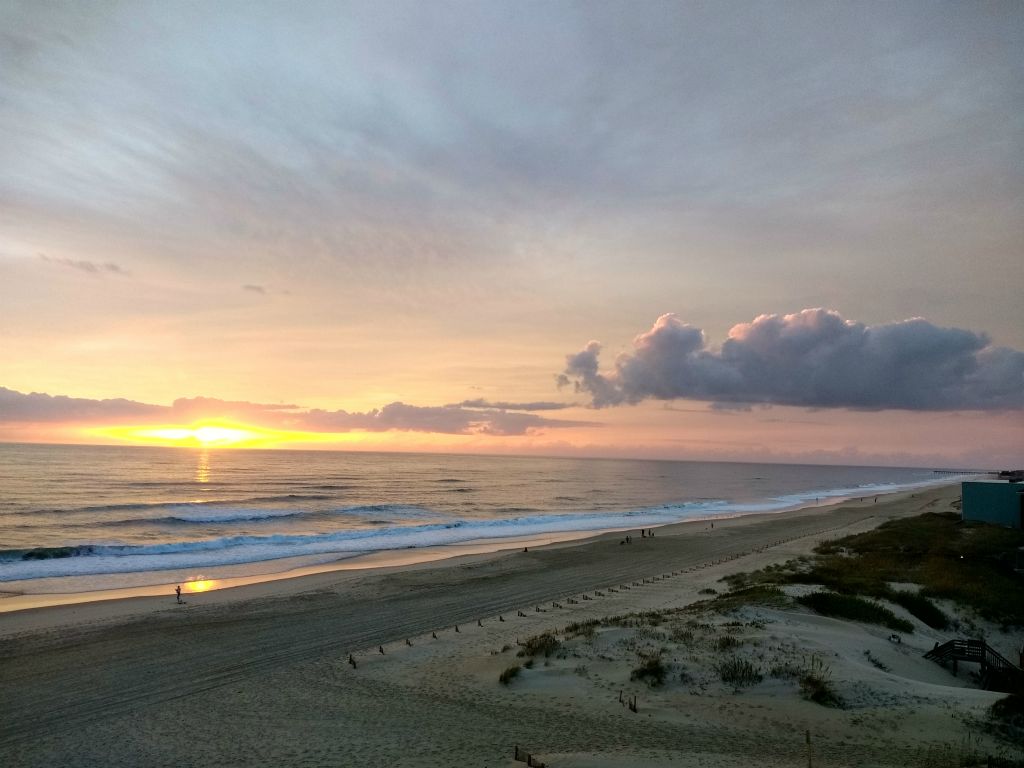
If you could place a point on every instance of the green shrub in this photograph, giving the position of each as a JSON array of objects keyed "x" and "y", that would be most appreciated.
[
  {"x": 855, "y": 609},
  {"x": 509, "y": 674}
]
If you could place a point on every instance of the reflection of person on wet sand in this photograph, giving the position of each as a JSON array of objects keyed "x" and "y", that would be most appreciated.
[{"x": 177, "y": 593}]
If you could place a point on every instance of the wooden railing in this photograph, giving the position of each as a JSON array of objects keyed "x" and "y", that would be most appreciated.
[{"x": 997, "y": 672}]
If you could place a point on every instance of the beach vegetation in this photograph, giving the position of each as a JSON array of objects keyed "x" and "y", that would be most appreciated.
[
  {"x": 854, "y": 608},
  {"x": 816, "y": 684},
  {"x": 1006, "y": 718},
  {"x": 582, "y": 628},
  {"x": 652, "y": 670},
  {"x": 753, "y": 594},
  {"x": 785, "y": 671},
  {"x": 875, "y": 661},
  {"x": 738, "y": 672},
  {"x": 727, "y": 643},
  {"x": 509, "y": 674},
  {"x": 969, "y": 563},
  {"x": 682, "y": 636},
  {"x": 544, "y": 644},
  {"x": 920, "y": 607}
]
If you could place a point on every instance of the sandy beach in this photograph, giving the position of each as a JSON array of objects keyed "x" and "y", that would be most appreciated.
[{"x": 259, "y": 675}]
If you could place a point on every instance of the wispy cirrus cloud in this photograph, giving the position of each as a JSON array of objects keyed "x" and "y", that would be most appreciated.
[
  {"x": 504, "y": 405},
  {"x": 89, "y": 267},
  {"x": 814, "y": 358},
  {"x": 37, "y": 407}
]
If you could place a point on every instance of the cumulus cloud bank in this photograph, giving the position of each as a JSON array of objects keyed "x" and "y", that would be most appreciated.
[
  {"x": 814, "y": 358},
  {"x": 37, "y": 407}
]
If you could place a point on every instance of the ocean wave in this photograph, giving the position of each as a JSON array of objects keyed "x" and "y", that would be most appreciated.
[
  {"x": 105, "y": 558},
  {"x": 149, "y": 506},
  {"x": 220, "y": 514}
]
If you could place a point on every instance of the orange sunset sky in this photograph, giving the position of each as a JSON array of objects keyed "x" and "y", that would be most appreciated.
[{"x": 523, "y": 228}]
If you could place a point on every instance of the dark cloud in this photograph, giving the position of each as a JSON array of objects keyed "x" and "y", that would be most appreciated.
[
  {"x": 449, "y": 419},
  {"x": 452, "y": 419},
  {"x": 89, "y": 267},
  {"x": 814, "y": 359},
  {"x": 254, "y": 288},
  {"x": 540, "y": 405},
  {"x": 39, "y": 407}
]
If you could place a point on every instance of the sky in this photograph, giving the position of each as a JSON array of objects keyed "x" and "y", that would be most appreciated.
[{"x": 785, "y": 231}]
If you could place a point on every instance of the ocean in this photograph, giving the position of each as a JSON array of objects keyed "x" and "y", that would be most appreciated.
[{"x": 75, "y": 518}]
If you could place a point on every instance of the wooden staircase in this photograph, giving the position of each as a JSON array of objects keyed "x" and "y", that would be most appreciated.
[{"x": 997, "y": 673}]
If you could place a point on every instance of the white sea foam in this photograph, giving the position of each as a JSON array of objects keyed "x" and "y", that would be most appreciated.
[{"x": 231, "y": 550}]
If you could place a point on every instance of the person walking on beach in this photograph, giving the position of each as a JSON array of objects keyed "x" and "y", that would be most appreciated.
[{"x": 177, "y": 593}]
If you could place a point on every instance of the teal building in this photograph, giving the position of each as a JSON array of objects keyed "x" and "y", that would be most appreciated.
[{"x": 994, "y": 502}]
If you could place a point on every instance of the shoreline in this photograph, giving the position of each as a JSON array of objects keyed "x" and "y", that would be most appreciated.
[{"x": 126, "y": 601}]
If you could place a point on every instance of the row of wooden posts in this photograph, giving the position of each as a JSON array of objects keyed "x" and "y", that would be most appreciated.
[{"x": 571, "y": 601}]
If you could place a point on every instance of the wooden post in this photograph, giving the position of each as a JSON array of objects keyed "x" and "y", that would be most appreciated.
[{"x": 810, "y": 760}]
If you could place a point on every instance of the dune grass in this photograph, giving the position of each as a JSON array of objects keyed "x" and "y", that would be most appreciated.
[
  {"x": 509, "y": 674},
  {"x": 854, "y": 608},
  {"x": 652, "y": 670},
  {"x": 738, "y": 672},
  {"x": 543, "y": 644},
  {"x": 970, "y": 563}
]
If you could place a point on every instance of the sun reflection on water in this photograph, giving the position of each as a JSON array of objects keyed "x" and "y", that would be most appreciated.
[{"x": 203, "y": 467}]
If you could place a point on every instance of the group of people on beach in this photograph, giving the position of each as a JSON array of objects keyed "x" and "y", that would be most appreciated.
[{"x": 645, "y": 533}]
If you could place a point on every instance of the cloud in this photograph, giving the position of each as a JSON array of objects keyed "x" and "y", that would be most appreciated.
[
  {"x": 541, "y": 405},
  {"x": 89, "y": 267},
  {"x": 254, "y": 289},
  {"x": 448, "y": 419},
  {"x": 38, "y": 407},
  {"x": 814, "y": 358}
]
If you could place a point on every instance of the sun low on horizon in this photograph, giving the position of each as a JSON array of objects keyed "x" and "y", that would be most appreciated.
[{"x": 212, "y": 434}]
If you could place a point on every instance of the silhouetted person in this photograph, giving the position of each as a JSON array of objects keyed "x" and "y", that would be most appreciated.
[
  {"x": 381, "y": 649},
  {"x": 177, "y": 593}
]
